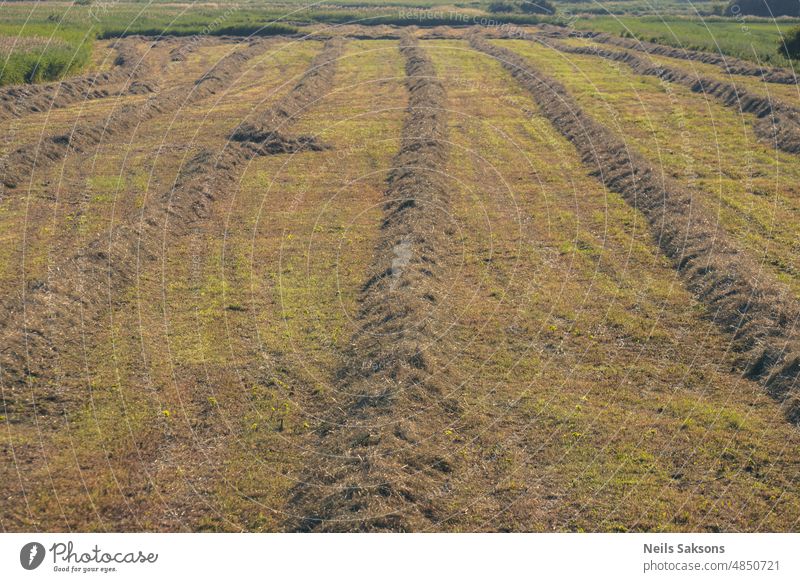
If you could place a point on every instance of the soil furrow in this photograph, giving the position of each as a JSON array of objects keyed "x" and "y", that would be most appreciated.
[
  {"x": 19, "y": 164},
  {"x": 759, "y": 313},
  {"x": 38, "y": 327},
  {"x": 777, "y": 123},
  {"x": 381, "y": 465}
]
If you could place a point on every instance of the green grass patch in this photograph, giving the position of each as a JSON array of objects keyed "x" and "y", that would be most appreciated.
[
  {"x": 155, "y": 28},
  {"x": 42, "y": 52}
]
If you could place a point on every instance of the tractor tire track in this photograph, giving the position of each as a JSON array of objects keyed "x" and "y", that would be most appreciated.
[
  {"x": 381, "y": 466},
  {"x": 36, "y": 328},
  {"x": 19, "y": 164},
  {"x": 757, "y": 311},
  {"x": 777, "y": 124}
]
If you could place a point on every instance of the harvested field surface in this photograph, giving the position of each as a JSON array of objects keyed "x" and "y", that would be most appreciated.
[
  {"x": 759, "y": 311},
  {"x": 749, "y": 186},
  {"x": 776, "y": 122},
  {"x": 398, "y": 279},
  {"x": 129, "y": 71},
  {"x": 727, "y": 64},
  {"x": 122, "y": 120},
  {"x": 724, "y": 42},
  {"x": 40, "y": 111},
  {"x": 788, "y": 93}
]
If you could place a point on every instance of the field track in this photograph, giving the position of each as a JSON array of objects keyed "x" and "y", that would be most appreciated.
[{"x": 396, "y": 280}]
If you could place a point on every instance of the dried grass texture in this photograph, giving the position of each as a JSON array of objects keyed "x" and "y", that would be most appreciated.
[
  {"x": 728, "y": 64},
  {"x": 759, "y": 313},
  {"x": 17, "y": 167},
  {"x": 382, "y": 461},
  {"x": 37, "y": 327},
  {"x": 132, "y": 74},
  {"x": 778, "y": 124}
]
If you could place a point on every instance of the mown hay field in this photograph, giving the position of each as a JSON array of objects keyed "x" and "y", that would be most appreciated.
[{"x": 437, "y": 280}]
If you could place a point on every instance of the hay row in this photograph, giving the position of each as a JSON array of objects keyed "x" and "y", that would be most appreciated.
[
  {"x": 777, "y": 124},
  {"x": 728, "y": 64},
  {"x": 36, "y": 328},
  {"x": 381, "y": 464},
  {"x": 17, "y": 167},
  {"x": 132, "y": 74},
  {"x": 757, "y": 311}
]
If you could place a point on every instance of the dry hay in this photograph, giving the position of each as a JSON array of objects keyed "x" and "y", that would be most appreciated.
[
  {"x": 759, "y": 313},
  {"x": 381, "y": 466},
  {"x": 36, "y": 328},
  {"x": 728, "y": 64},
  {"x": 19, "y": 164},
  {"x": 778, "y": 123},
  {"x": 132, "y": 74}
]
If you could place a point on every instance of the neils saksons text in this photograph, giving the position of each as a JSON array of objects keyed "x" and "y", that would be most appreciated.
[{"x": 665, "y": 548}]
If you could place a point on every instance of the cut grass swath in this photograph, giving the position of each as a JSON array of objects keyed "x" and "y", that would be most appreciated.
[
  {"x": 34, "y": 336},
  {"x": 777, "y": 123},
  {"x": 759, "y": 313},
  {"x": 381, "y": 464},
  {"x": 19, "y": 165}
]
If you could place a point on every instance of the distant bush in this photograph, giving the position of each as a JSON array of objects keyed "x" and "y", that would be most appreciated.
[
  {"x": 763, "y": 8},
  {"x": 717, "y": 9},
  {"x": 245, "y": 29},
  {"x": 501, "y": 7},
  {"x": 790, "y": 44},
  {"x": 537, "y": 7}
]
